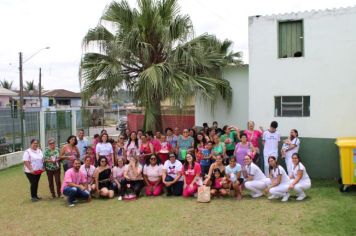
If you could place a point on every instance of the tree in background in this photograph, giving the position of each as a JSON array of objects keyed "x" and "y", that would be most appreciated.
[
  {"x": 153, "y": 53},
  {"x": 6, "y": 84}
]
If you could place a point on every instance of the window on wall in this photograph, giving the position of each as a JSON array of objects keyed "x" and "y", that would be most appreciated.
[
  {"x": 292, "y": 106},
  {"x": 290, "y": 39}
]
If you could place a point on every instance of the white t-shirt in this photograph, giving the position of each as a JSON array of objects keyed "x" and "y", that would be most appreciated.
[
  {"x": 35, "y": 157},
  {"x": 173, "y": 169},
  {"x": 271, "y": 143},
  {"x": 300, "y": 166},
  {"x": 104, "y": 149},
  {"x": 153, "y": 172},
  {"x": 280, "y": 171},
  {"x": 255, "y": 171},
  {"x": 87, "y": 172},
  {"x": 296, "y": 142},
  {"x": 118, "y": 173}
]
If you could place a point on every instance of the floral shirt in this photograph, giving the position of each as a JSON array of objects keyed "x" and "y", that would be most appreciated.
[{"x": 50, "y": 155}]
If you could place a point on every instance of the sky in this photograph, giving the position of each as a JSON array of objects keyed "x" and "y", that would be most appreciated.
[{"x": 28, "y": 26}]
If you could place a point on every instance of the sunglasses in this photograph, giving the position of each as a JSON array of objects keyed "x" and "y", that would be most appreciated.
[{"x": 51, "y": 143}]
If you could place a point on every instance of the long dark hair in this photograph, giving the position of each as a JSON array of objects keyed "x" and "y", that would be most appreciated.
[
  {"x": 270, "y": 167},
  {"x": 197, "y": 142},
  {"x": 212, "y": 177},
  {"x": 136, "y": 141},
  {"x": 186, "y": 163}
]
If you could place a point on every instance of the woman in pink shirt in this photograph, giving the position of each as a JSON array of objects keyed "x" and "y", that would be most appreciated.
[
  {"x": 253, "y": 137},
  {"x": 153, "y": 177},
  {"x": 118, "y": 175},
  {"x": 191, "y": 174}
]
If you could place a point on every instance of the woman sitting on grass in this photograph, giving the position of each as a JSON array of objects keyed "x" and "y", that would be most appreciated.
[
  {"x": 133, "y": 177},
  {"x": 102, "y": 177},
  {"x": 217, "y": 164},
  {"x": 300, "y": 180},
  {"x": 153, "y": 177},
  {"x": 279, "y": 181},
  {"x": 118, "y": 176},
  {"x": 191, "y": 175}
]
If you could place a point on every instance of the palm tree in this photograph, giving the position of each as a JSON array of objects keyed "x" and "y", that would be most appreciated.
[
  {"x": 6, "y": 84},
  {"x": 152, "y": 51},
  {"x": 30, "y": 86}
]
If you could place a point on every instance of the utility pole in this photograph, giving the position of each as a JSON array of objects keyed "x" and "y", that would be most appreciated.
[
  {"x": 40, "y": 89},
  {"x": 21, "y": 102}
]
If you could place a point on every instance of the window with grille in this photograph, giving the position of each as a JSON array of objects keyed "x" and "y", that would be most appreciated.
[
  {"x": 290, "y": 39},
  {"x": 292, "y": 106}
]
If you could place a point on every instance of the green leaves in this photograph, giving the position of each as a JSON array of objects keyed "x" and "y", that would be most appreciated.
[{"x": 152, "y": 52}]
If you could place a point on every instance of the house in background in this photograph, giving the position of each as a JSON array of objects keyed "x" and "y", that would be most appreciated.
[
  {"x": 61, "y": 98},
  {"x": 302, "y": 74},
  {"x": 5, "y": 97}
]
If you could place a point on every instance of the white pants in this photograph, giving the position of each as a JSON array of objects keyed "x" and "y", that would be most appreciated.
[
  {"x": 266, "y": 165},
  {"x": 301, "y": 186},
  {"x": 257, "y": 186},
  {"x": 289, "y": 164},
  {"x": 279, "y": 190}
]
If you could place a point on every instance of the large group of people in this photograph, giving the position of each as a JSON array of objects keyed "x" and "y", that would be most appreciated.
[{"x": 174, "y": 162}]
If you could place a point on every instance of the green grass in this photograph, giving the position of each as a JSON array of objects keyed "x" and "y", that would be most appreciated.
[{"x": 325, "y": 212}]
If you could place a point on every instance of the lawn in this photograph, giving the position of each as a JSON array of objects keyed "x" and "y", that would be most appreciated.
[{"x": 325, "y": 212}]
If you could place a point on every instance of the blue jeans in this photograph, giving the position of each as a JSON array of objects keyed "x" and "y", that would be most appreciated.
[
  {"x": 74, "y": 192},
  {"x": 176, "y": 188}
]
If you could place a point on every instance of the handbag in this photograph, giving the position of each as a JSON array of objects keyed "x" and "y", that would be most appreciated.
[
  {"x": 204, "y": 194},
  {"x": 38, "y": 172}
]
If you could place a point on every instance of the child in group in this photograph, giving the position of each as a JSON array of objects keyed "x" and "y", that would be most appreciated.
[
  {"x": 285, "y": 147},
  {"x": 205, "y": 162},
  {"x": 218, "y": 181},
  {"x": 89, "y": 153},
  {"x": 164, "y": 149}
]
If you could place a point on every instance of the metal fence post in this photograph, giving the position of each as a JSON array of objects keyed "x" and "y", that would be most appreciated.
[
  {"x": 42, "y": 130},
  {"x": 74, "y": 122}
]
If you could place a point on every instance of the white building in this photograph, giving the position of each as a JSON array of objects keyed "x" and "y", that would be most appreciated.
[{"x": 302, "y": 73}]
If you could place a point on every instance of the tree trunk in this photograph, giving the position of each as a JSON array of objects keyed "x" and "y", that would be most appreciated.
[{"x": 153, "y": 116}]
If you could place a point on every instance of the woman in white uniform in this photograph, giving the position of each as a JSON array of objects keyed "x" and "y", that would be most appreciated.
[
  {"x": 300, "y": 180},
  {"x": 279, "y": 181},
  {"x": 256, "y": 181}
]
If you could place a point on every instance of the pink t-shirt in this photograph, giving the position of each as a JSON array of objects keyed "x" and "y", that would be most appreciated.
[
  {"x": 253, "y": 137},
  {"x": 191, "y": 173},
  {"x": 88, "y": 172},
  {"x": 118, "y": 172},
  {"x": 72, "y": 176},
  {"x": 153, "y": 172}
]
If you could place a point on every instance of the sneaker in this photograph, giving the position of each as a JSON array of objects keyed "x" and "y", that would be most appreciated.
[
  {"x": 71, "y": 205},
  {"x": 301, "y": 197},
  {"x": 272, "y": 197},
  {"x": 256, "y": 195},
  {"x": 34, "y": 199},
  {"x": 75, "y": 201},
  {"x": 38, "y": 198},
  {"x": 285, "y": 197},
  {"x": 119, "y": 198}
]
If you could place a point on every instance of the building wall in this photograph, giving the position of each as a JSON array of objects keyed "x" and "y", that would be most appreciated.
[
  {"x": 75, "y": 102},
  {"x": 327, "y": 72},
  {"x": 238, "y": 114},
  {"x": 4, "y": 100}
]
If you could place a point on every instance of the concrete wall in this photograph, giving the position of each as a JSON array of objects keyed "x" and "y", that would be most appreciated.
[
  {"x": 10, "y": 159},
  {"x": 238, "y": 115},
  {"x": 326, "y": 72}
]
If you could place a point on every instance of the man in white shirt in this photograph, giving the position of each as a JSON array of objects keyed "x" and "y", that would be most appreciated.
[{"x": 271, "y": 138}]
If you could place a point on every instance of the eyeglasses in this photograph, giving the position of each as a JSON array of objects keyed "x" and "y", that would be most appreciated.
[
  {"x": 51, "y": 143},
  {"x": 121, "y": 138}
]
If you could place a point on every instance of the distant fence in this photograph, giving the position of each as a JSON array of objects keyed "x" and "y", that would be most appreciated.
[{"x": 40, "y": 125}]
